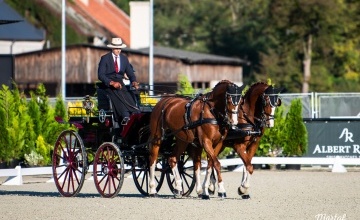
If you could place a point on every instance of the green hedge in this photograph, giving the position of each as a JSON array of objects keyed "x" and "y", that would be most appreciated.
[
  {"x": 289, "y": 136},
  {"x": 28, "y": 129}
]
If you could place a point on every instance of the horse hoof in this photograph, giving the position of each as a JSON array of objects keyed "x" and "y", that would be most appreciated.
[
  {"x": 177, "y": 193},
  {"x": 211, "y": 192},
  {"x": 153, "y": 195},
  {"x": 241, "y": 190},
  {"x": 245, "y": 196},
  {"x": 222, "y": 195},
  {"x": 205, "y": 197}
]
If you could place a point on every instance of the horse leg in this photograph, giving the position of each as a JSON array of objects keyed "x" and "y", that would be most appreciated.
[
  {"x": 213, "y": 162},
  {"x": 177, "y": 178},
  {"x": 245, "y": 184},
  {"x": 218, "y": 148},
  {"x": 217, "y": 166},
  {"x": 206, "y": 183},
  {"x": 195, "y": 152},
  {"x": 212, "y": 183},
  {"x": 154, "y": 151},
  {"x": 248, "y": 169},
  {"x": 179, "y": 148}
]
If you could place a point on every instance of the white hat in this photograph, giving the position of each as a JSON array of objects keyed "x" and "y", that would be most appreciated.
[{"x": 116, "y": 43}]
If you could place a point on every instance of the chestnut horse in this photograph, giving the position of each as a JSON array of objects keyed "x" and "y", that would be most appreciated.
[
  {"x": 203, "y": 121},
  {"x": 256, "y": 111}
]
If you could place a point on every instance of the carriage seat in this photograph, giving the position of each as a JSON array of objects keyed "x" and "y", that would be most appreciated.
[{"x": 105, "y": 103}]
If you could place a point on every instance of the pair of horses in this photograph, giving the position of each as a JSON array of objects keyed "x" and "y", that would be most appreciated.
[{"x": 205, "y": 123}]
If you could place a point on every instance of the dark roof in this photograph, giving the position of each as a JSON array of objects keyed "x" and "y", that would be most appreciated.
[
  {"x": 184, "y": 56},
  {"x": 17, "y": 30},
  {"x": 192, "y": 57}
]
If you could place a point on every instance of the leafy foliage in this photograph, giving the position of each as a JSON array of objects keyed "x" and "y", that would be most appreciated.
[
  {"x": 289, "y": 136},
  {"x": 28, "y": 127},
  {"x": 185, "y": 87},
  {"x": 272, "y": 141},
  {"x": 295, "y": 142}
]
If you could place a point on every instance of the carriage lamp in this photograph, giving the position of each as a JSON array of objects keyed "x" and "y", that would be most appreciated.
[{"x": 88, "y": 105}]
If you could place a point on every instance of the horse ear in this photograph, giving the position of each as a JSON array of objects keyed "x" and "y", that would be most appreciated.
[
  {"x": 280, "y": 90},
  {"x": 242, "y": 87}
]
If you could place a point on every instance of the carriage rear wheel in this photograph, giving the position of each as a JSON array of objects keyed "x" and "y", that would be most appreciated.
[
  {"x": 141, "y": 173},
  {"x": 186, "y": 170},
  {"x": 69, "y": 163},
  {"x": 108, "y": 171}
]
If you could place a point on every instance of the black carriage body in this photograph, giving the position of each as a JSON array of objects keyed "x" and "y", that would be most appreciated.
[{"x": 101, "y": 126}]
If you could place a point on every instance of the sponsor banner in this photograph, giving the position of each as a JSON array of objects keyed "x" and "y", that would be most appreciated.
[{"x": 333, "y": 138}]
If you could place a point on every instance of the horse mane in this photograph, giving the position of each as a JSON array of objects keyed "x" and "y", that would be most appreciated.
[
  {"x": 223, "y": 81},
  {"x": 251, "y": 88}
]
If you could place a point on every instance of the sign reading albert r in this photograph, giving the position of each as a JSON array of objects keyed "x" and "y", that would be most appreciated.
[{"x": 333, "y": 138}]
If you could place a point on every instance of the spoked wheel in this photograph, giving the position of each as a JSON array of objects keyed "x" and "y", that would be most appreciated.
[
  {"x": 108, "y": 170},
  {"x": 141, "y": 173},
  {"x": 186, "y": 170},
  {"x": 69, "y": 163}
]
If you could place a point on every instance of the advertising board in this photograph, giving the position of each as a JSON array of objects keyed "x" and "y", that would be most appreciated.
[{"x": 331, "y": 138}]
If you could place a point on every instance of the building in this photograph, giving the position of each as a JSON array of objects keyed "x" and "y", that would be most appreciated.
[
  {"x": 18, "y": 37},
  {"x": 203, "y": 70}
]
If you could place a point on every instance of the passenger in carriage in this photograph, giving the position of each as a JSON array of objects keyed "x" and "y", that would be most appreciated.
[{"x": 113, "y": 68}]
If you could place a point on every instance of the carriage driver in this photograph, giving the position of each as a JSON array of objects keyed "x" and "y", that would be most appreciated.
[{"x": 113, "y": 68}]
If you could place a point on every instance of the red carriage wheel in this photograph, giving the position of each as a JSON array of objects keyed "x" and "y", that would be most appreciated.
[
  {"x": 108, "y": 170},
  {"x": 187, "y": 173},
  {"x": 69, "y": 163},
  {"x": 140, "y": 173}
]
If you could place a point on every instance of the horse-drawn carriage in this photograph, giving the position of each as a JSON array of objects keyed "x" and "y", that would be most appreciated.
[
  {"x": 94, "y": 143},
  {"x": 157, "y": 142}
]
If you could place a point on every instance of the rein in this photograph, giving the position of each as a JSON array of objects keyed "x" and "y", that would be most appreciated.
[
  {"x": 192, "y": 124},
  {"x": 254, "y": 125}
]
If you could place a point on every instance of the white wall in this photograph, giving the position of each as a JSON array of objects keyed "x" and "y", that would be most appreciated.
[
  {"x": 139, "y": 24},
  {"x": 9, "y": 47}
]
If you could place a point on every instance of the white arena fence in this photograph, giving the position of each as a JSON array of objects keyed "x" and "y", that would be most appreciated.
[{"x": 336, "y": 164}]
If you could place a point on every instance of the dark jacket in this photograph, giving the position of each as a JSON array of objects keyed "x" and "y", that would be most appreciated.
[
  {"x": 106, "y": 70},
  {"x": 123, "y": 101}
]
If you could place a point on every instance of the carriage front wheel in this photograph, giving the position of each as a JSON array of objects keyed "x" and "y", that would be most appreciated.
[
  {"x": 108, "y": 170},
  {"x": 69, "y": 163}
]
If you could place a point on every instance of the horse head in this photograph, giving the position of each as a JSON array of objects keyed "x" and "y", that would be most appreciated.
[
  {"x": 226, "y": 96},
  {"x": 259, "y": 104},
  {"x": 270, "y": 100}
]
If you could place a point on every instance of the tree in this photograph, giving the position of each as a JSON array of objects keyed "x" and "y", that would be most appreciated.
[
  {"x": 185, "y": 87},
  {"x": 295, "y": 142}
]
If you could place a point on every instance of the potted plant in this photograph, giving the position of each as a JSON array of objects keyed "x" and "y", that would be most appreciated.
[{"x": 296, "y": 136}]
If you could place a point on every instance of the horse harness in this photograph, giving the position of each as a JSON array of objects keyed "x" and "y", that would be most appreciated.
[
  {"x": 222, "y": 120},
  {"x": 253, "y": 128}
]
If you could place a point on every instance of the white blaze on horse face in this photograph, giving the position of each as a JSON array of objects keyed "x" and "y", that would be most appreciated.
[
  {"x": 271, "y": 120},
  {"x": 234, "y": 115}
]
